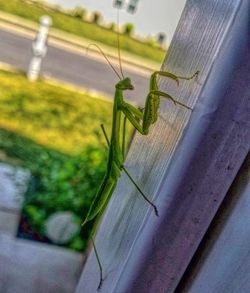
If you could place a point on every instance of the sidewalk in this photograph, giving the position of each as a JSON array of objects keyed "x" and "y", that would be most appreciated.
[
  {"x": 74, "y": 43},
  {"x": 31, "y": 267}
]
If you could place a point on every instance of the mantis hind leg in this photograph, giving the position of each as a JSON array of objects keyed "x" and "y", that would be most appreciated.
[
  {"x": 141, "y": 192},
  {"x": 98, "y": 262},
  {"x": 93, "y": 232}
]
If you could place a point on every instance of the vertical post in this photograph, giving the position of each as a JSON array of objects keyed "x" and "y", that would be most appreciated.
[
  {"x": 186, "y": 163},
  {"x": 39, "y": 48}
]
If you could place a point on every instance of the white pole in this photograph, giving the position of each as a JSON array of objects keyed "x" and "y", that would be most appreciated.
[{"x": 39, "y": 48}]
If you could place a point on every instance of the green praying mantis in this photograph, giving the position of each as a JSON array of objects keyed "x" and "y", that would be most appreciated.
[{"x": 141, "y": 119}]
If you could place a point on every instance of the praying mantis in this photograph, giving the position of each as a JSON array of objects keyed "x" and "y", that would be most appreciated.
[{"x": 141, "y": 119}]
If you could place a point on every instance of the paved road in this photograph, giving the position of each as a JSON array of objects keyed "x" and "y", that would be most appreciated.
[{"x": 71, "y": 67}]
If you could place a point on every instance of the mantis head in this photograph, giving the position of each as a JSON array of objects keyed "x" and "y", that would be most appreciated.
[{"x": 125, "y": 84}]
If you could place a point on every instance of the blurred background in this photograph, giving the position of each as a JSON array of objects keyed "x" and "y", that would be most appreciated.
[{"x": 54, "y": 96}]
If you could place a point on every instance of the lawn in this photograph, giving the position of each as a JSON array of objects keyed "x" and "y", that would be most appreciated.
[
  {"x": 92, "y": 31},
  {"x": 55, "y": 133}
]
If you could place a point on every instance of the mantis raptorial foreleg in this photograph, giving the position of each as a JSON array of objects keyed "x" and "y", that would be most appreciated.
[{"x": 149, "y": 114}]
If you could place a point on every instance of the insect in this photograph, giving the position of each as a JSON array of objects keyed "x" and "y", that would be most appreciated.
[{"x": 141, "y": 119}]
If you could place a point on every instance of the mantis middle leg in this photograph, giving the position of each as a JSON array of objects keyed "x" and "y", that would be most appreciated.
[{"x": 127, "y": 173}]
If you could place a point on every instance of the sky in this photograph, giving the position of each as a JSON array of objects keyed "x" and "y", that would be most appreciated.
[{"x": 151, "y": 17}]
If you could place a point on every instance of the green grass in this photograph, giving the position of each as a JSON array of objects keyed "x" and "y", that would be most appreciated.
[
  {"x": 75, "y": 26},
  {"x": 57, "y": 118},
  {"x": 55, "y": 133}
]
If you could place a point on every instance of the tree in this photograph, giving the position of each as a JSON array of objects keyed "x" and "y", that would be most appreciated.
[
  {"x": 112, "y": 26},
  {"x": 96, "y": 17}
]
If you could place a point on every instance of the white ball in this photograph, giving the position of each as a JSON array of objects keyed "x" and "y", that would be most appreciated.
[{"x": 61, "y": 227}]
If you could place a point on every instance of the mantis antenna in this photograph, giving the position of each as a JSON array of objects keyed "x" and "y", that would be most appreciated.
[
  {"x": 106, "y": 58},
  {"x": 118, "y": 44}
]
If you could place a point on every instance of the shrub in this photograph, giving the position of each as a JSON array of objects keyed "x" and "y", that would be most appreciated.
[
  {"x": 112, "y": 26},
  {"x": 67, "y": 172},
  {"x": 161, "y": 38},
  {"x": 128, "y": 29},
  {"x": 152, "y": 42}
]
